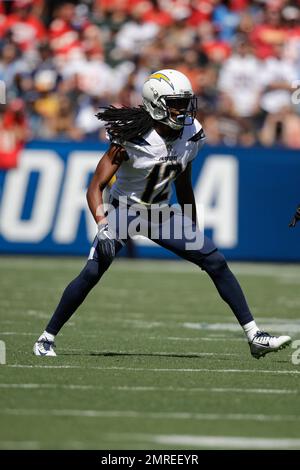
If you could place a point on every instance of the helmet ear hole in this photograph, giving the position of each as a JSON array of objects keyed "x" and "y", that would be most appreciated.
[{"x": 158, "y": 113}]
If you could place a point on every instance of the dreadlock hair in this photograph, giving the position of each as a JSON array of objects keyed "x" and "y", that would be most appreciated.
[{"x": 125, "y": 123}]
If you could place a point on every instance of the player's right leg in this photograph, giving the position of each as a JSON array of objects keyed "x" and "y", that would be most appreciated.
[
  {"x": 78, "y": 289},
  {"x": 72, "y": 298}
]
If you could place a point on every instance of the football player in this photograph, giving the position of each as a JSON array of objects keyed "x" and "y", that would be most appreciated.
[{"x": 151, "y": 147}]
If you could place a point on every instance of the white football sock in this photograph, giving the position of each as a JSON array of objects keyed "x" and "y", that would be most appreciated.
[
  {"x": 47, "y": 335},
  {"x": 250, "y": 330}
]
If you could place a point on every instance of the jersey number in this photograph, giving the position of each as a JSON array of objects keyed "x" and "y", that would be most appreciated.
[{"x": 159, "y": 179}]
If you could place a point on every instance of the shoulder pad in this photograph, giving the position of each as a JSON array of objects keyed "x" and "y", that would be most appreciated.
[
  {"x": 139, "y": 141},
  {"x": 199, "y": 136}
]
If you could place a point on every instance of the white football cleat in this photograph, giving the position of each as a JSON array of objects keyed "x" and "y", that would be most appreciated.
[
  {"x": 263, "y": 343},
  {"x": 44, "y": 347}
]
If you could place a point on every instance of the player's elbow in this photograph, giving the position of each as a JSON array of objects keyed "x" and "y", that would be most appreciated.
[{"x": 93, "y": 190}]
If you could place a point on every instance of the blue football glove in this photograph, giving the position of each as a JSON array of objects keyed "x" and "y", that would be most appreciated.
[
  {"x": 106, "y": 240},
  {"x": 296, "y": 217}
]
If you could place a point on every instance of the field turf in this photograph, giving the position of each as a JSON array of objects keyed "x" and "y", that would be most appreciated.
[{"x": 152, "y": 360}]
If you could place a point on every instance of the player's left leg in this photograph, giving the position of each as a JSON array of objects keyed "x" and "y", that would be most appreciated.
[{"x": 209, "y": 259}]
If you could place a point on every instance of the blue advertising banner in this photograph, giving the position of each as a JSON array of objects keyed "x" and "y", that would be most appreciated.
[{"x": 248, "y": 196}]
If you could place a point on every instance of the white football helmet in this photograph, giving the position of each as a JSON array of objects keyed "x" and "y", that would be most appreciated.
[{"x": 168, "y": 97}]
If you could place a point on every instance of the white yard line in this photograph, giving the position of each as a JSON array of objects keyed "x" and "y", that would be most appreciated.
[
  {"x": 229, "y": 442},
  {"x": 37, "y": 314},
  {"x": 143, "y": 369},
  {"x": 221, "y": 442},
  {"x": 199, "y": 339},
  {"x": 149, "y": 415},
  {"x": 18, "y": 333},
  {"x": 274, "y": 327},
  {"x": 186, "y": 441},
  {"x": 267, "y": 391}
]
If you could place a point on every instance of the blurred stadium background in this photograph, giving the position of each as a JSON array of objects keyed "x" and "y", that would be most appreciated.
[
  {"x": 60, "y": 61},
  {"x": 164, "y": 352}
]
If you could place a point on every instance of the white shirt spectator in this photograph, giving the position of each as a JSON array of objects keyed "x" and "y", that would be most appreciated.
[
  {"x": 87, "y": 121},
  {"x": 95, "y": 76},
  {"x": 292, "y": 53},
  {"x": 275, "y": 70},
  {"x": 239, "y": 78},
  {"x": 134, "y": 36}
]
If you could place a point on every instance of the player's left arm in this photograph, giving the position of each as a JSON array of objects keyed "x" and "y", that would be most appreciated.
[{"x": 185, "y": 192}]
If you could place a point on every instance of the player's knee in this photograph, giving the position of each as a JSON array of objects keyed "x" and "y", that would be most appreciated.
[
  {"x": 91, "y": 273},
  {"x": 214, "y": 263}
]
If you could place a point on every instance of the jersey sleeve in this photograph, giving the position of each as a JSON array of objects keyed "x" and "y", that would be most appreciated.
[
  {"x": 113, "y": 140},
  {"x": 197, "y": 140}
]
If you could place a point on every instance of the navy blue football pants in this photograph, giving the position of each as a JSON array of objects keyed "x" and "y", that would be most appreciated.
[{"x": 172, "y": 231}]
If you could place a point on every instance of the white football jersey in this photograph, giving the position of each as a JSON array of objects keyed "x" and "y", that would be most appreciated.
[{"x": 153, "y": 163}]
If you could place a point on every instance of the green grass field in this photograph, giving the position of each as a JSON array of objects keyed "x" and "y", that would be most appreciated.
[{"x": 152, "y": 360}]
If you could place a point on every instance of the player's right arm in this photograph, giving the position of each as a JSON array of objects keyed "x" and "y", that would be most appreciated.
[{"x": 106, "y": 168}]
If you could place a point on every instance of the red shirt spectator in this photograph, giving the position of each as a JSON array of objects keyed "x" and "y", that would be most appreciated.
[
  {"x": 217, "y": 51},
  {"x": 239, "y": 5},
  {"x": 13, "y": 134},
  {"x": 157, "y": 16},
  {"x": 119, "y": 5},
  {"x": 201, "y": 10},
  {"x": 26, "y": 29},
  {"x": 65, "y": 38},
  {"x": 266, "y": 36}
]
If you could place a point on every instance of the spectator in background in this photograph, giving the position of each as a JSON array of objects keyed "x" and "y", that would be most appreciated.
[
  {"x": 86, "y": 122},
  {"x": 191, "y": 68},
  {"x": 65, "y": 34},
  {"x": 135, "y": 34},
  {"x": 215, "y": 49},
  {"x": 11, "y": 64},
  {"x": 61, "y": 125},
  {"x": 47, "y": 100},
  {"x": 24, "y": 28},
  {"x": 271, "y": 32},
  {"x": 283, "y": 128},
  {"x": 45, "y": 58},
  {"x": 277, "y": 77},
  {"x": 291, "y": 14},
  {"x": 95, "y": 77},
  {"x": 240, "y": 55},
  {"x": 155, "y": 14},
  {"x": 225, "y": 20},
  {"x": 13, "y": 133},
  {"x": 240, "y": 80},
  {"x": 290, "y": 131}
]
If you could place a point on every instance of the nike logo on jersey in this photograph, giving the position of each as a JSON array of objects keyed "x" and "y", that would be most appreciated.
[{"x": 168, "y": 158}]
